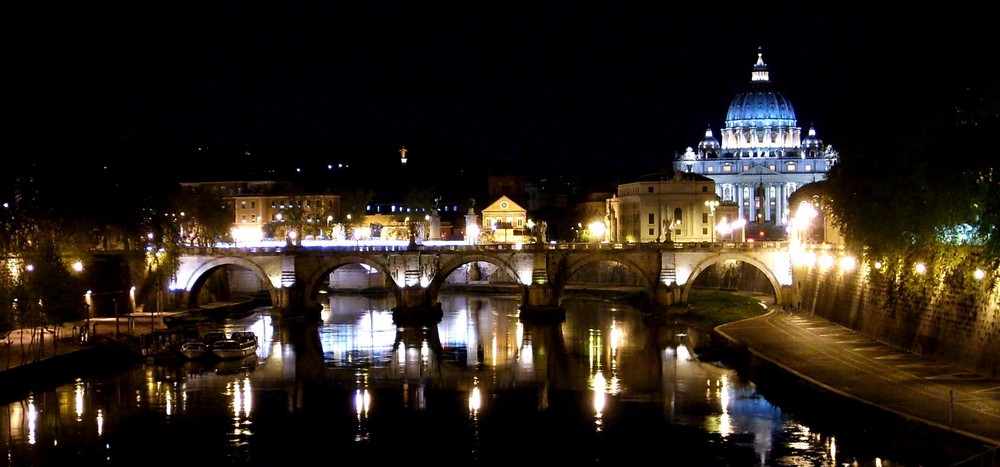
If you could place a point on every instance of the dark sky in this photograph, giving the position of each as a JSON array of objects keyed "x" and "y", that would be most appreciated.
[{"x": 546, "y": 87}]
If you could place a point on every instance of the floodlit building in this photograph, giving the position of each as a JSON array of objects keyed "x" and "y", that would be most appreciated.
[
  {"x": 761, "y": 157},
  {"x": 505, "y": 221},
  {"x": 665, "y": 207}
]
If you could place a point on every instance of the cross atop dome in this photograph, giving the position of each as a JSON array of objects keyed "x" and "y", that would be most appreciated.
[{"x": 760, "y": 68}]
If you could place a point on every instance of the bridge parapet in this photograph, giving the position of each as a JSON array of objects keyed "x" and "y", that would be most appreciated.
[{"x": 296, "y": 273}]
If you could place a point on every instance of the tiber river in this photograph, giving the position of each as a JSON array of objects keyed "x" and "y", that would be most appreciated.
[{"x": 477, "y": 388}]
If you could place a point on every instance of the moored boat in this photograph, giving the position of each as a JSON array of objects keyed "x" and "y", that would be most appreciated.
[
  {"x": 195, "y": 350},
  {"x": 240, "y": 344}
]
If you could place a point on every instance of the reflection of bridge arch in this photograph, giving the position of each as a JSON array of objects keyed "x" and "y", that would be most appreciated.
[
  {"x": 452, "y": 263},
  {"x": 201, "y": 274},
  {"x": 331, "y": 264},
  {"x": 708, "y": 262},
  {"x": 646, "y": 280}
]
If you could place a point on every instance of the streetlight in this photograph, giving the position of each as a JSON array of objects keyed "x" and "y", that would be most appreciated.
[
  {"x": 712, "y": 204},
  {"x": 597, "y": 230}
]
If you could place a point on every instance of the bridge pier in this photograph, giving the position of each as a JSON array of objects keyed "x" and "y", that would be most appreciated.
[
  {"x": 414, "y": 305},
  {"x": 540, "y": 303}
]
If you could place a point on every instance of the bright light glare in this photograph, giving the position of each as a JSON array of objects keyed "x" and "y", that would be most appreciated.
[{"x": 597, "y": 230}]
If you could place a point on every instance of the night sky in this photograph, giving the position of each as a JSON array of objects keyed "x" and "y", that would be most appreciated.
[{"x": 542, "y": 88}]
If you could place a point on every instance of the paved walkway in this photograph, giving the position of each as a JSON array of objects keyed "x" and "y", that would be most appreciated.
[{"x": 847, "y": 363}]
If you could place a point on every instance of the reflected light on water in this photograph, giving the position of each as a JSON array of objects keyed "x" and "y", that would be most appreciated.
[
  {"x": 475, "y": 398},
  {"x": 833, "y": 450},
  {"x": 600, "y": 398},
  {"x": 32, "y": 419},
  {"x": 100, "y": 422},
  {"x": 78, "y": 399},
  {"x": 725, "y": 420},
  {"x": 362, "y": 402},
  {"x": 683, "y": 354}
]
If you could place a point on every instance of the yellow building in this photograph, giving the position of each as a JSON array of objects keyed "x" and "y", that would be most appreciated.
[{"x": 504, "y": 221}]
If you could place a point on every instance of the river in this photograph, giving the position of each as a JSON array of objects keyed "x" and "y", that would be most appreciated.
[{"x": 477, "y": 388}]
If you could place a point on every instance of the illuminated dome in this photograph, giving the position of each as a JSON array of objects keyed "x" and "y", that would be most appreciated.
[
  {"x": 760, "y": 105},
  {"x": 811, "y": 141},
  {"x": 709, "y": 143}
]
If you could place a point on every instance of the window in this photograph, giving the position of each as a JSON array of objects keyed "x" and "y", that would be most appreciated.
[
  {"x": 704, "y": 188},
  {"x": 772, "y": 167},
  {"x": 809, "y": 167},
  {"x": 677, "y": 216},
  {"x": 244, "y": 219},
  {"x": 253, "y": 205},
  {"x": 651, "y": 231},
  {"x": 649, "y": 189},
  {"x": 704, "y": 231},
  {"x": 253, "y": 218},
  {"x": 651, "y": 219},
  {"x": 704, "y": 218},
  {"x": 710, "y": 169},
  {"x": 727, "y": 168},
  {"x": 243, "y": 204},
  {"x": 791, "y": 166}
]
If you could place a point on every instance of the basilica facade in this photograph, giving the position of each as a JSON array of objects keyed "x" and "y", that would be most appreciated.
[{"x": 761, "y": 156}]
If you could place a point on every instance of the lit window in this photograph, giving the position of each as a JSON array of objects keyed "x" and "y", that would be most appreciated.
[
  {"x": 772, "y": 167},
  {"x": 791, "y": 166},
  {"x": 710, "y": 169},
  {"x": 809, "y": 168},
  {"x": 727, "y": 168}
]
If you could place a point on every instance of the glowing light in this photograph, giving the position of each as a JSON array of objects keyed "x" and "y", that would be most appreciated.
[
  {"x": 475, "y": 398},
  {"x": 848, "y": 263},
  {"x": 597, "y": 230},
  {"x": 362, "y": 401},
  {"x": 471, "y": 233},
  {"x": 826, "y": 261},
  {"x": 878, "y": 265},
  {"x": 920, "y": 268},
  {"x": 600, "y": 396},
  {"x": 77, "y": 266},
  {"x": 979, "y": 274}
]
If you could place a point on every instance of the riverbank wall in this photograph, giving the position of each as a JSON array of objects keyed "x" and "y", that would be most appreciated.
[{"x": 944, "y": 316}]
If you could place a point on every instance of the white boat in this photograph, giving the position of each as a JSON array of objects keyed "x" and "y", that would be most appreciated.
[
  {"x": 195, "y": 350},
  {"x": 241, "y": 344}
]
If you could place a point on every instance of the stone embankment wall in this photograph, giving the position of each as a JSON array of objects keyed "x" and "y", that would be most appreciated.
[{"x": 946, "y": 319}]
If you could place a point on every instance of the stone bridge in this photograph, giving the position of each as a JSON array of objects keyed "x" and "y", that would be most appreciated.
[{"x": 295, "y": 275}]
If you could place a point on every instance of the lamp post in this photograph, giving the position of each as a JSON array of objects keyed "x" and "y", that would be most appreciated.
[
  {"x": 115, "y": 300},
  {"x": 712, "y": 204}
]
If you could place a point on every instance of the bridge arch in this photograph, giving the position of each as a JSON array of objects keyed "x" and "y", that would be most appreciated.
[
  {"x": 205, "y": 270},
  {"x": 313, "y": 282},
  {"x": 456, "y": 261},
  {"x": 725, "y": 256},
  {"x": 646, "y": 280}
]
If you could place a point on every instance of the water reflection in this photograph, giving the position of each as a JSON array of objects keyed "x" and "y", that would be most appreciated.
[{"x": 477, "y": 387}]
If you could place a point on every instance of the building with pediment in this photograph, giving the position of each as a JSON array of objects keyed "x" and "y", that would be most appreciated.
[{"x": 504, "y": 221}]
